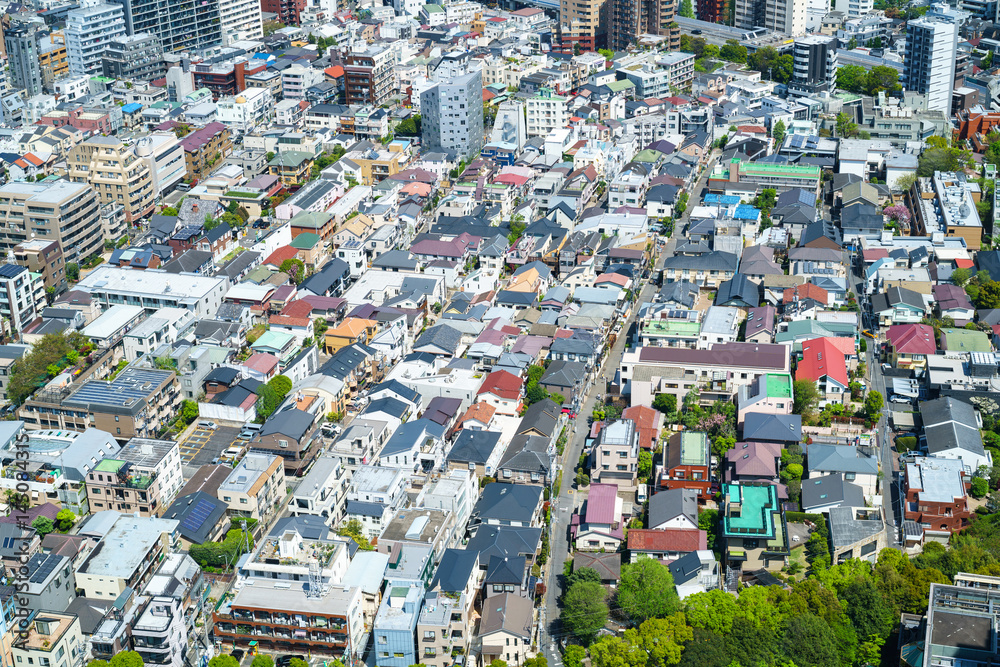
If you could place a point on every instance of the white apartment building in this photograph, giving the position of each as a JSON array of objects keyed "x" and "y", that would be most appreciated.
[
  {"x": 852, "y": 9},
  {"x": 154, "y": 289},
  {"x": 89, "y": 30},
  {"x": 785, "y": 16},
  {"x": 240, "y": 20},
  {"x": 22, "y": 295},
  {"x": 452, "y": 112},
  {"x": 931, "y": 42},
  {"x": 296, "y": 80},
  {"x": 546, "y": 112},
  {"x": 247, "y": 111},
  {"x": 159, "y": 632},
  {"x": 164, "y": 155}
]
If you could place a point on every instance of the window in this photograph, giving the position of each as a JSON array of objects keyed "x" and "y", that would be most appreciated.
[
  {"x": 243, "y": 501},
  {"x": 226, "y": 498},
  {"x": 382, "y": 639}
]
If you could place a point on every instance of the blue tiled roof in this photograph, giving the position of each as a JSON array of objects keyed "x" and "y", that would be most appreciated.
[
  {"x": 725, "y": 200},
  {"x": 131, "y": 107},
  {"x": 746, "y": 212}
]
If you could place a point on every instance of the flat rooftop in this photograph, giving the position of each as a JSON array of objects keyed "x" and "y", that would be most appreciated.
[
  {"x": 125, "y": 546},
  {"x": 750, "y": 509},
  {"x": 779, "y": 386}
]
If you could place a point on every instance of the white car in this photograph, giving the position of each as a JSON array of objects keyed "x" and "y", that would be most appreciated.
[{"x": 209, "y": 425}]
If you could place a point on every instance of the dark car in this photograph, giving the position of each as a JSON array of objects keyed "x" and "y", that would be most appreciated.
[
  {"x": 238, "y": 653},
  {"x": 286, "y": 660},
  {"x": 260, "y": 224},
  {"x": 696, "y": 32}
]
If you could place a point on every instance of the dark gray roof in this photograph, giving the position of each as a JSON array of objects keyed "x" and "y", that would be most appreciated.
[
  {"x": 507, "y": 503},
  {"x": 542, "y": 417},
  {"x": 838, "y": 458},
  {"x": 951, "y": 424},
  {"x": 527, "y": 453},
  {"x": 389, "y": 405},
  {"x": 666, "y": 505},
  {"x": 309, "y": 526},
  {"x": 292, "y": 422},
  {"x": 505, "y": 541},
  {"x": 564, "y": 374},
  {"x": 398, "y": 388},
  {"x": 441, "y": 337},
  {"x": 505, "y": 570},
  {"x": 455, "y": 570},
  {"x": 686, "y": 568},
  {"x": 774, "y": 428},
  {"x": 199, "y": 513},
  {"x": 738, "y": 291},
  {"x": 188, "y": 262},
  {"x": 681, "y": 292},
  {"x": 820, "y": 491},
  {"x": 895, "y": 296},
  {"x": 362, "y": 508},
  {"x": 847, "y": 529},
  {"x": 572, "y": 345},
  {"x": 474, "y": 446},
  {"x": 238, "y": 264},
  {"x": 709, "y": 261}
]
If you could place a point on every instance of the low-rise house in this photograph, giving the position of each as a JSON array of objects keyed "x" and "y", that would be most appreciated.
[
  {"x": 527, "y": 460},
  {"x": 616, "y": 454},
  {"x": 910, "y": 345},
  {"x": 599, "y": 525},
  {"x": 753, "y": 533},
  {"x": 673, "y": 508},
  {"x": 687, "y": 464},
  {"x": 824, "y": 364},
  {"x": 506, "y": 629},
  {"x": 936, "y": 496},
  {"x": 503, "y": 504},
  {"x": 853, "y": 465},
  {"x": 762, "y": 427},
  {"x": 502, "y": 391},
  {"x": 952, "y": 431},
  {"x": 768, "y": 393},
  {"x": 322, "y": 492},
  {"x": 476, "y": 450},
  {"x": 256, "y": 486},
  {"x": 898, "y": 305},
  {"x": 666, "y": 545},
  {"x": 821, "y": 494},
  {"x": 289, "y": 434},
  {"x": 695, "y": 572}
]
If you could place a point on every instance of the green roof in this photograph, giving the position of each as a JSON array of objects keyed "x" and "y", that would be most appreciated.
[
  {"x": 648, "y": 155},
  {"x": 779, "y": 385},
  {"x": 109, "y": 465},
  {"x": 965, "y": 340},
  {"x": 306, "y": 241},
  {"x": 751, "y": 510},
  {"x": 310, "y": 219},
  {"x": 672, "y": 328},
  {"x": 694, "y": 448},
  {"x": 619, "y": 86},
  {"x": 433, "y": 9},
  {"x": 786, "y": 169},
  {"x": 275, "y": 340},
  {"x": 259, "y": 275}
]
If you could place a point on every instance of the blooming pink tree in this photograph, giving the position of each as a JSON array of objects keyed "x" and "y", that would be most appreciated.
[{"x": 897, "y": 213}]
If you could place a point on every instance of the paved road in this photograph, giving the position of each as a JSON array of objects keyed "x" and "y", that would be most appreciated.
[{"x": 891, "y": 496}]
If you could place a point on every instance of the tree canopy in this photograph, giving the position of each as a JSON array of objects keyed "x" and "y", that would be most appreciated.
[
  {"x": 587, "y": 610},
  {"x": 646, "y": 590}
]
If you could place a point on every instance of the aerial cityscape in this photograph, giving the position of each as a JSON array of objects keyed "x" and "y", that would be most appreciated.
[{"x": 513, "y": 333}]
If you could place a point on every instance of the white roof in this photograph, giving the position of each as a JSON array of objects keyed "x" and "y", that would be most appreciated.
[{"x": 112, "y": 320}]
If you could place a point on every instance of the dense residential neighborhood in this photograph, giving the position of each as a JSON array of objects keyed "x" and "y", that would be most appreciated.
[{"x": 514, "y": 334}]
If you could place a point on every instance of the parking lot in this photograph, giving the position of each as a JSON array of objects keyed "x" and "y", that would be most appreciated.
[{"x": 205, "y": 445}]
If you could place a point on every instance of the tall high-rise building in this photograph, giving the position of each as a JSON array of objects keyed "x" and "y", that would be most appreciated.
[
  {"x": 814, "y": 68},
  {"x": 631, "y": 18},
  {"x": 931, "y": 42},
  {"x": 288, "y": 11},
  {"x": 852, "y": 9},
  {"x": 89, "y": 30},
  {"x": 180, "y": 25},
  {"x": 368, "y": 76},
  {"x": 134, "y": 57},
  {"x": 21, "y": 43},
  {"x": 785, "y": 16},
  {"x": 584, "y": 23},
  {"x": 240, "y": 20},
  {"x": 452, "y": 108}
]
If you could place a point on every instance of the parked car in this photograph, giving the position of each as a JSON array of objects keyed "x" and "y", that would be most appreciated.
[
  {"x": 285, "y": 660},
  {"x": 209, "y": 425}
]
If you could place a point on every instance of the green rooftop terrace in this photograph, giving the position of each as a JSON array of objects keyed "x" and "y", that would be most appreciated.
[
  {"x": 779, "y": 386},
  {"x": 109, "y": 465},
  {"x": 751, "y": 510},
  {"x": 672, "y": 328},
  {"x": 787, "y": 169}
]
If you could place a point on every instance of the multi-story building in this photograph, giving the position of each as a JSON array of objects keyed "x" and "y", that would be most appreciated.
[
  {"x": 52, "y": 58},
  {"x": 936, "y": 497},
  {"x": 452, "y": 113},
  {"x": 686, "y": 463},
  {"x": 931, "y": 43},
  {"x": 134, "y": 57},
  {"x": 109, "y": 285},
  {"x": 46, "y": 258},
  {"x": 53, "y": 638},
  {"x": 784, "y": 16},
  {"x": 369, "y": 76},
  {"x": 288, "y": 11},
  {"x": 755, "y": 176},
  {"x": 127, "y": 556},
  {"x": 21, "y": 43},
  {"x": 395, "y": 625},
  {"x": 159, "y": 634},
  {"x": 585, "y": 23},
  {"x": 255, "y": 486},
  {"x": 165, "y": 157},
  {"x": 89, "y": 31},
  {"x": 443, "y": 627},
  {"x": 754, "y": 533},
  {"x": 852, "y": 9},
  {"x": 240, "y": 20},
  {"x": 180, "y": 25},
  {"x": 22, "y": 296},
  {"x": 546, "y": 111},
  {"x": 631, "y": 18},
  {"x": 206, "y": 148},
  {"x": 247, "y": 111},
  {"x": 616, "y": 454},
  {"x": 137, "y": 403},
  {"x": 115, "y": 172},
  {"x": 297, "y": 79},
  {"x": 60, "y": 210},
  {"x": 49, "y": 579},
  {"x": 141, "y": 479},
  {"x": 814, "y": 68}
]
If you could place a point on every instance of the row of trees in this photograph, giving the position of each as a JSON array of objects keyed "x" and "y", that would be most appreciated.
[
  {"x": 47, "y": 358},
  {"x": 271, "y": 395},
  {"x": 857, "y": 79}
]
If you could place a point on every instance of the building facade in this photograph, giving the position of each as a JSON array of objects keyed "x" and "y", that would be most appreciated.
[
  {"x": 453, "y": 115},
  {"x": 814, "y": 67},
  {"x": 115, "y": 172},
  {"x": 89, "y": 31},
  {"x": 180, "y": 25},
  {"x": 134, "y": 57},
  {"x": 60, "y": 210},
  {"x": 21, "y": 43},
  {"x": 931, "y": 43}
]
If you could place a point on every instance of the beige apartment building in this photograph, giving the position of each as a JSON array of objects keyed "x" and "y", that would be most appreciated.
[
  {"x": 115, "y": 172},
  {"x": 69, "y": 213},
  {"x": 255, "y": 486},
  {"x": 46, "y": 258}
]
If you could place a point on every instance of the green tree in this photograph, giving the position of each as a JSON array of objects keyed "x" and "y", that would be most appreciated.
[
  {"x": 224, "y": 661},
  {"x": 295, "y": 268},
  {"x": 646, "y": 590},
  {"x": 535, "y": 373},
  {"x": 98, "y": 663},
  {"x": 169, "y": 211},
  {"x": 410, "y": 127},
  {"x": 586, "y": 599},
  {"x": 581, "y": 574},
  {"x": 534, "y": 394},
  {"x": 811, "y": 642},
  {"x": 733, "y": 51},
  {"x": 281, "y": 384},
  {"x": 126, "y": 659},
  {"x": 607, "y": 53},
  {"x": 645, "y": 467},
  {"x": 708, "y": 520},
  {"x": 882, "y": 79},
  {"x": 517, "y": 228},
  {"x": 189, "y": 411},
  {"x": 873, "y": 405},
  {"x": 665, "y": 403},
  {"x": 979, "y": 488},
  {"x": 961, "y": 276},
  {"x": 299, "y": 662},
  {"x": 262, "y": 660},
  {"x": 663, "y": 638},
  {"x": 712, "y": 610},
  {"x": 72, "y": 272},
  {"x": 852, "y": 78},
  {"x": 986, "y": 62},
  {"x": 846, "y": 127},
  {"x": 938, "y": 159},
  {"x": 573, "y": 656},
  {"x": 989, "y": 295},
  {"x": 354, "y": 530},
  {"x": 65, "y": 519},
  {"x": 267, "y": 401},
  {"x": 778, "y": 132},
  {"x": 805, "y": 397},
  {"x": 710, "y": 52},
  {"x": 687, "y": 9}
]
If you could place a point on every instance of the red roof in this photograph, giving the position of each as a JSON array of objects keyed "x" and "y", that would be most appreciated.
[
  {"x": 806, "y": 291},
  {"x": 601, "y": 501},
  {"x": 821, "y": 358},
  {"x": 911, "y": 338},
  {"x": 285, "y": 321},
  {"x": 646, "y": 421},
  {"x": 297, "y": 308},
  {"x": 964, "y": 263},
  {"x": 670, "y": 539},
  {"x": 335, "y": 72},
  {"x": 752, "y": 129},
  {"x": 873, "y": 254},
  {"x": 262, "y": 362},
  {"x": 277, "y": 258},
  {"x": 511, "y": 179},
  {"x": 502, "y": 384},
  {"x": 488, "y": 94}
]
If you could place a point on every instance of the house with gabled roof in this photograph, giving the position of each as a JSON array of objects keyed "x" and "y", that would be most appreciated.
[
  {"x": 686, "y": 464},
  {"x": 600, "y": 523},
  {"x": 951, "y": 430},
  {"x": 823, "y": 363},
  {"x": 502, "y": 391},
  {"x": 910, "y": 344},
  {"x": 666, "y": 545},
  {"x": 504, "y": 504}
]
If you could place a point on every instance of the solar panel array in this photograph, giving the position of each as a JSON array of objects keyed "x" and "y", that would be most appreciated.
[
  {"x": 198, "y": 515},
  {"x": 45, "y": 568}
]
